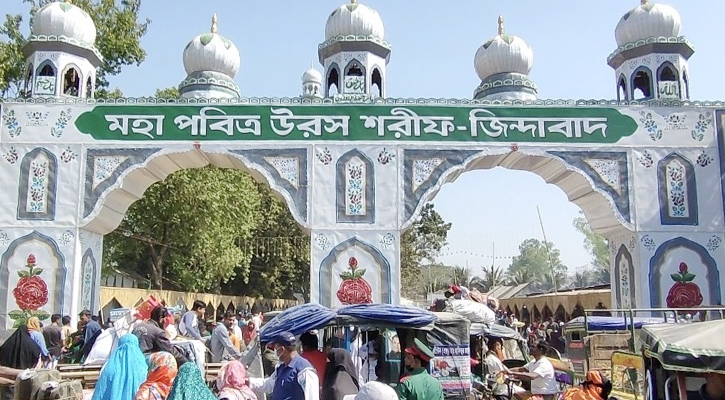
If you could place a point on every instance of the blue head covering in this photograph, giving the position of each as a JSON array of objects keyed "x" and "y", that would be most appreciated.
[{"x": 123, "y": 373}]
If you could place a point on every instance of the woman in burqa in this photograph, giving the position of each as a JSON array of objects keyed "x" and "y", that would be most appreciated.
[
  {"x": 123, "y": 373},
  {"x": 20, "y": 351},
  {"x": 340, "y": 376}
]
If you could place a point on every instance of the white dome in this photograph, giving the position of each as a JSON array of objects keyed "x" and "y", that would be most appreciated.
[
  {"x": 64, "y": 19},
  {"x": 504, "y": 53},
  {"x": 648, "y": 20},
  {"x": 212, "y": 52},
  {"x": 312, "y": 75},
  {"x": 354, "y": 19}
]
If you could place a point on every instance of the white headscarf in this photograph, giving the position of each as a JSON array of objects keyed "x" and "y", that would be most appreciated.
[{"x": 374, "y": 391}]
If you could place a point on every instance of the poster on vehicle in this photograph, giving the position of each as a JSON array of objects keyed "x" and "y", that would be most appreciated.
[{"x": 452, "y": 367}]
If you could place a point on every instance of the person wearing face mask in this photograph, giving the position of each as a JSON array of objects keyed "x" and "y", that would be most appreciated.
[
  {"x": 294, "y": 378},
  {"x": 418, "y": 384}
]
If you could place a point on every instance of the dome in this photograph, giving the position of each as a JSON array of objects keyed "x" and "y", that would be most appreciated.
[
  {"x": 212, "y": 52},
  {"x": 503, "y": 54},
  {"x": 648, "y": 20},
  {"x": 64, "y": 19},
  {"x": 354, "y": 19},
  {"x": 312, "y": 75}
]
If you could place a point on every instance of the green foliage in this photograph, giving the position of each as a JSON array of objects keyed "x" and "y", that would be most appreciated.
[
  {"x": 118, "y": 40},
  {"x": 167, "y": 93},
  {"x": 538, "y": 262},
  {"x": 598, "y": 247},
  {"x": 419, "y": 246},
  {"x": 492, "y": 276}
]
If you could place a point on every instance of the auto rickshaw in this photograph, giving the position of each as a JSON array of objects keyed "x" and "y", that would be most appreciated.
[{"x": 679, "y": 359}]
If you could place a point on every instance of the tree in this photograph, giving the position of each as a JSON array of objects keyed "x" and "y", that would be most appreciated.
[
  {"x": 167, "y": 93},
  {"x": 493, "y": 276},
  {"x": 119, "y": 33},
  {"x": 540, "y": 263},
  {"x": 419, "y": 247},
  {"x": 187, "y": 227},
  {"x": 598, "y": 247}
]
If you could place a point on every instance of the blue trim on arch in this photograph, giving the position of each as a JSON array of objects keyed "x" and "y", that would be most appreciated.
[
  {"x": 578, "y": 159},
  {"x": 656, "y": 264},
  {"x": 61, "y": 275},
  {"x": 325, "y": 275},
  {"x": 340, "y": 190},
  {"x": 451, "y": 159},
  {"x": 663, "y": 197},
  {"x": 719, "y": 120},
  {"x": 49, "y": 213}
]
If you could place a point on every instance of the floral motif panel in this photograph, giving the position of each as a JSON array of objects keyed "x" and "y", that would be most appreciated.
[
  {"x": 624, "y": 287},
  {"x": 608, "y": 170},
  {"x": 37, "y": 201},
  {"x": 288, "y": 169},
  {"x": 87, "y": 283},
  {"x": 423, "y": 169},
  {"x": 354, "y": 184},
  {"x": 677, "y": 191},
  {"x": 37, "y": 186},
  {"x": 104, "y": 166},
  {"x": 355, "y": 187}
]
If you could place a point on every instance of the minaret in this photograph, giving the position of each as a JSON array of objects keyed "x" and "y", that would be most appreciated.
[
  {"x": 211, "y": 62},
  {"x": 650, "y": 62},
  {"x": 503, "y": 64},
  {"x": 61, "y": 55},
  {"x": 354, "y": 53},
  {"x": 312, "y": 84}
]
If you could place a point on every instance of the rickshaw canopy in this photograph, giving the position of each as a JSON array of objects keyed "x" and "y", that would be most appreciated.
[
  {"x": 306, "y": 317},
  {"x": 694, "y": 347},
  {"x": 597, "y": 323},
  {"x": 496, "y": 331}
]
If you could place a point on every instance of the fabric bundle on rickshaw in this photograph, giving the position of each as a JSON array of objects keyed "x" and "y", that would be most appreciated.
[
  {"x": 298, "y": 320},
  {"x": 475, "y": 312},
  {"x": 696, "y": 347},
  {"x": 386, "y": 313}
]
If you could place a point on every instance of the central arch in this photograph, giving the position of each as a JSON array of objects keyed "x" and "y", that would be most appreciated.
[{"x": 597, "y": 182}]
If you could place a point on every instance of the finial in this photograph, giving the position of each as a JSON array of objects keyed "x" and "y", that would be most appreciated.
[
  {"x": 500, "y": 24},
  {"x": 214, "y": 22},
  {"x": 68, "y": 1},
  {"x": 353, "y": 1},
  {"x": 643, "y": 2}
]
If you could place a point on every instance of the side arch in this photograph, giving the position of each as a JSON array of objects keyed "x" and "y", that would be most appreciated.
[
  {"x": 116, "y": 178},
  {"x": 597, "y": 182}
]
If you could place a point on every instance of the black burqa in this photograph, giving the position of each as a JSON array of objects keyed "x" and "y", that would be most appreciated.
[
  {"x": 19, "y": 351},
  {"x": 340, "y": 376}
]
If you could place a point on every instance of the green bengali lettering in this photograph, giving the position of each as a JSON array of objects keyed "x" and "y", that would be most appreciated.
[{"x": 423, "y": 123}]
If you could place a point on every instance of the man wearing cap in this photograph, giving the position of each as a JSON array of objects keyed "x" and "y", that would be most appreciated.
[
  {"x": 418, "y": 384},
  {"x": 294, "y": 379}
]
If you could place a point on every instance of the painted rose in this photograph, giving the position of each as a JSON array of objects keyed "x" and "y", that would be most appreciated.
[
  {"x": 31, "y": 292},
  {"x": 684, "y": 293},
  {"x": 354, "y": 289}
]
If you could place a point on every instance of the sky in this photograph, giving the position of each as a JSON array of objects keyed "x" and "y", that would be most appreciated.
[{"x": 434, "y": 42}]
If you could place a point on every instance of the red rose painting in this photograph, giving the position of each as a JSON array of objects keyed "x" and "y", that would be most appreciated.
[
  {"x": 354, "y": 289},
  {"x": 684, "y": 293},
  {"x": 31, "y": 293}
]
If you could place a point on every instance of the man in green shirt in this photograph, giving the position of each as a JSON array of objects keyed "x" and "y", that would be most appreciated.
[{"x": 418, "y": 384}]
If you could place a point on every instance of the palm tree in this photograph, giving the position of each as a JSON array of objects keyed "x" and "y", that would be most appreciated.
[
  {"x": 520, "y": 277},
  {"x": 493, "y": 276},
  {"x": 460, "y": 275}
]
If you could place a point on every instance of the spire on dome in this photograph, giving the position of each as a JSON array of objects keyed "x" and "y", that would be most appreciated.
[
  {"x": 500, "y": 25},
  {"x": 353, "y": 1},
  {"x": 214, "y": 23},
  {"x": 643, "y": 2}
]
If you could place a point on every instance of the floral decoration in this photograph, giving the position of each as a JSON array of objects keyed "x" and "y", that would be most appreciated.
[
  {"x": 66, "y": 237},
  {"x": 514, "y": 147},
  {"x": 324, "y": 156},
  {"x": 4, "y": 239},
  {"x": 11, "y": 122},
  {"x": 704, "y": 159},
  {"x": 387, "y": 241},
  {"x": 37, "y": 118},
  {"x": 61, "y": 123},
  {"x": 676, "y": 121},
  {"x": 11, "y": 155},
  {"x": 38, "y": 185},
  {"x": 684, "y": 293},
  {"x": 676, "y": 188},
  {"x": 322, "y": 241},
  {"x": 354, "y": 289},
  {"x": 714, "y": 243},
  {"x": 68, "y": 155},
  {"x": 385, "y": 157},
  {"x": 648, "y": 243},
  {"x": 655, "y": 133},
  {"x": 703, "y": 122},
  {"x": 646, "y": 159},
  {"x": 31, "y": 293}
]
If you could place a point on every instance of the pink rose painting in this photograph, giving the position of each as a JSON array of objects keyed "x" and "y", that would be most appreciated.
[{"x": 31, "y": 293}]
